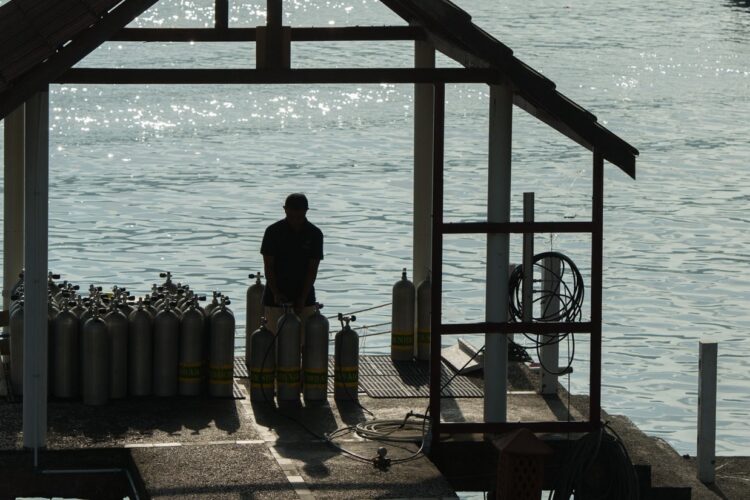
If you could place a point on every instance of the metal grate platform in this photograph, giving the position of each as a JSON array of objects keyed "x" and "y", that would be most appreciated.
[{"x": 380, "y": 377}]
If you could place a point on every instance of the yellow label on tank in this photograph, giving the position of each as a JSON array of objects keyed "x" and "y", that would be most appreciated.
[
  {"x": 423, "y": 337},
  {"x": 287, "y": 376},
  {"x": 346, "y": 376},
  {"x": 220, "y": 374},
  {"x": 402, "y": 341}
]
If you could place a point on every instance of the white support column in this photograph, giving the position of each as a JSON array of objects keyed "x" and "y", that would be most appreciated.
[
  {"x": 13, "y": 201},
  {"x": 424, "y": 57},
  {"x": 707, "y": 367},
  {"x": 549, "y": 354},
  {"x": 498, "y": 248},
  {"x": 35, "y": 277}
]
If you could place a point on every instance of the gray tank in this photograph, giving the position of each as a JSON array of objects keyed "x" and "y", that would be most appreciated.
[
  {"x": 346, "y": 361},
  {"x": 254, "y": 310},
  {"x": 16, "y": 348},
  {"x": 424, "y": 308},
  {"x": 315, "y": 357},
  {"x": 221, "y": 352},
  {"x": 95, "y": 361},
  {"x": 192, "y": 330},
  {"x": 117, "y": 329},
  {"x": 65, "y": 349},
  {"x": 288, "y": 380},
  {"x": 262, "y": 363},
  {"x": 140, "y": 351},
  {"x": 402, "y": 320},
  {"x": 166, "y": 352}
]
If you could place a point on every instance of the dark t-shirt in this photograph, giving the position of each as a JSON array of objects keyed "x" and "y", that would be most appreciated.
[{"x": 292, "y": 252}]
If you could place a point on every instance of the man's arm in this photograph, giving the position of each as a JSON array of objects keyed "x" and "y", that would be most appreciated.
[
  {"x": 312, "y": 273},
  {"x": 268, "y": 265}
]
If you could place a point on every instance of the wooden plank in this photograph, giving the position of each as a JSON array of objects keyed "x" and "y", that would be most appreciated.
[
  {"x": 290, "y": 76},
  {"x": 506, "y": 328},
  {"x": 517, "y": 227},
  {"x": 347, "y": 33},
  {"x": 4, "y": 318}
]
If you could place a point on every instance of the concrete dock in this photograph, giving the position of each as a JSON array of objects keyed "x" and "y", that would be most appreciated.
[{"x": 233, "y": 448}]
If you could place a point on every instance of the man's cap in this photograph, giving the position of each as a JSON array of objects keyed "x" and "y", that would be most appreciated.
[{"x": 296, "y": 201}]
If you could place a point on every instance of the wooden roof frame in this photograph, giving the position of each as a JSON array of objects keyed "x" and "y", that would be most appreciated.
[{"x": 49, "y": 57}]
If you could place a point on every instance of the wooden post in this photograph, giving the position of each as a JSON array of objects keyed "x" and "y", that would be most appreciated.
[
  {"x": 498, "y": 253},
  {"x": 13, "y": 202},
  {"x": 549, "y": 354},
  {"x": 35, "y": 277},
  {"x": 707, "y": 367},
  {"x": 221, "y": 14},
  {"x": 424, "y": 57},
  {"x": 273, "y": 41}
]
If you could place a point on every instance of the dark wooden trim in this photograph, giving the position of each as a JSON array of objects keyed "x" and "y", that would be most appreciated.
[
  {"x": 344, "y": 34},
  {"x": 438, "y": 131},
  {"x": 291, "y": 76},
  {"x": 508, "y": 328},
  {"x": 517, "y": 227},
  {"x": 597, "y": 254},
  {"x": 221, "y": 14},
  {"x": 4, "y": 318},
  {"x": 51, "y": 69}
]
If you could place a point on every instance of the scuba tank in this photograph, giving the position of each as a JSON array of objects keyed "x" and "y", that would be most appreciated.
[
  {"x": 262, "y": 363},
  {"x": 424, "y": 308},
  {"x": 168, "y": 284},
  {"x": 117, "y": 329},
  {"x": 288, "y": 356},
  {"x": 315, "y": 357},
  {"x": 191, "y": 350},
  {"x": 95, "y": 360},
  {"x": 140, "y": 351},
  {"x": 254, "y": 310},
  {"x": 221, "y": 351},
  {"x": 346, "y": 361},
  {"x": 166, "y": 334},
  {"x": 65, "y": 354},
  {"x": 402, "y": 320}
]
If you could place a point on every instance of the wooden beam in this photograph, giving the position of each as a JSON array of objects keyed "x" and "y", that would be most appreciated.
[
  {"x": 66, "y": 57},
  {"x": 291, "y": 76},
  {"x": 221, "y": 14},
  {"x": 517, "y": 227},
  {"x": 347, "y": 33}
]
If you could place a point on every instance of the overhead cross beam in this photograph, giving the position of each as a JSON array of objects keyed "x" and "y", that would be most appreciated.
[
  {"x": 325, "y": 34},
  {"x": 284, "y": 76}
]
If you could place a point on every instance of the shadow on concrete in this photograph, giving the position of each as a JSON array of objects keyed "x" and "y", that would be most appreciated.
[
  {"x": 92, "y": 473},
  {"x": 127, "y": 419}
]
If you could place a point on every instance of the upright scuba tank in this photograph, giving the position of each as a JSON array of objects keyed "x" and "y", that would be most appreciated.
[
  {"x": 140, "y": 351},
  {"x": 221, "y": 351},
  {"x": 117, "y": 329},
  {"x": 95, "y": 360},
  {"x": 424, "y": 308},
  {"x": 315, "y": 357},
  {"x": 254, "y": 310},
  {"x": 402, "y": 320},
  {"x": 262, "y": 363},
  {"x": 288, "y": 356},
  {"x": 16, "y": 347},
  {"x": 65, "y": 350},
  {"x": 346, "y": 361},
  {"x": 168, "y": 283},
  {"x": 191, "y": 350},
  {"x": 166, "y": 351}
]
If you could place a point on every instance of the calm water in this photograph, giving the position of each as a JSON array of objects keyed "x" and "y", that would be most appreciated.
[{"x": 144, "y": 179}]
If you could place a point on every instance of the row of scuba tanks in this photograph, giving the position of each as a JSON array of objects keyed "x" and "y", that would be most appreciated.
[
  {"x": 291, "y": 357},
  {"x": 106, "y": 345},
  {"x": 410, "y": 325}
]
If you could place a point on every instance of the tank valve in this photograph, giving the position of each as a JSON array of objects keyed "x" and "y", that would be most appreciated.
[{"x": 381, "y": 461}]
